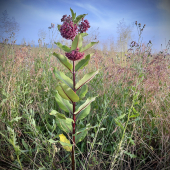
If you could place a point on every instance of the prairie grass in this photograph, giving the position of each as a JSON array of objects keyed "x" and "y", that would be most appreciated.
[{"x": 27, "y": 88}]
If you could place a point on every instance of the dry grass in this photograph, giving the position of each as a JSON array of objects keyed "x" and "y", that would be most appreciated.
[{"x": 25, "y": 66}]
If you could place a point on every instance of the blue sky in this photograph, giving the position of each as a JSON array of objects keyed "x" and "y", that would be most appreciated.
[{"x": 36, "y": 15}]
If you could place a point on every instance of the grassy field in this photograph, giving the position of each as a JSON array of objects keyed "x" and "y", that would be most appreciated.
[{"x": 132, "y": 111}]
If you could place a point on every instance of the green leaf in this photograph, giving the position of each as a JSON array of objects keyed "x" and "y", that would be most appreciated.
[
  {"x": 52, "y": 141},
  {"x": 63, "y": 104},
  {"x": 25, "y": 144},
  {"x": 64, "y": 124},
  {"x": 121, "y": 117},
  {"x": 103, "y": 129},
  {"x": 83, "y": 91},
  {"x": 63, "y": 47},
  {"x": 64, "y": 61},
  {"x": 86, "y": 79},
  {"x": 59, "y": 115},
  {"x": 83, "y": 113},
  {"x": 58, "y": 26},
  {"x": 60, "y": 75},
  {"x": 16, "y": 119},
  {"x": 84, "y": 34},
  {"x": 82, "y": 63},
  {"x": 132, "y": 141},
  {"x": 88, "y": 46},
  {"x": 129, "y": 154},
  {"x": 67, "y": 93},
  {"x": 80, "y": 136},
  {"x": 73, "y": 14},
  {"x": 134, "y": 110},
  {"x": 136, "y": 113},
  {"x": 83, "y": 106},
  {"x": 78, "y": 18},
  {"x": 53, "y": 112},
  {"x": 77, "y": 42},
  {"x": 119, "y": 124}
]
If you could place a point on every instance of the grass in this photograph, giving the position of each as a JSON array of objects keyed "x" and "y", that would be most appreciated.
[{"x": 132, "y": 111}]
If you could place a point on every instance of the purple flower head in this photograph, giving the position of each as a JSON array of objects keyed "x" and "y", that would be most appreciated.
[
  {"x": 63, "y": 19},
  {"x": 135, "y": 22},
  {"x": 83, "y": 27},
  {"x": 150, "y": 41},
  {"x": 66, "y": 19},
  {"x": 74, "y": 55},
  {"x": 68, "y": 30},
  {"x": 139, "y": 24}
]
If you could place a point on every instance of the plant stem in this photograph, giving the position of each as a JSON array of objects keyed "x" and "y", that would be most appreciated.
[{"x": 74, "y": 121}]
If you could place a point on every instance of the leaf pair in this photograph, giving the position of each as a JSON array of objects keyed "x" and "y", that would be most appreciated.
[{"x": 69, "y": 66}]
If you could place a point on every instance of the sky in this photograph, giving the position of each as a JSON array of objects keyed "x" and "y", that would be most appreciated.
[{"x": 35, "y": 16}]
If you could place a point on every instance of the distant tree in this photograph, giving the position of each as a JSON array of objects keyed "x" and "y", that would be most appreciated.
[
  {"x": 124, "y": 35},
  {"x": 8, "y": 27}
]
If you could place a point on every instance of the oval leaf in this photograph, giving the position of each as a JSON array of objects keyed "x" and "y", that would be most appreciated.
[
  {"x": 82, "y": 63},
  {"x": 83, "y": 106},
  {"x": 61, "y": 92},
  {"x": 81, "y": 136},
  {"x": 63, "y": 47},
  {"x": 88, "y": 46},
  {"x": 64, "y": 61},
  {"x": 85, "y": 79},
  {"x": 78, "y": 18},
  {"x": 84, "y": 113},
  {"x": 60, "y": 75},
  {"x": 63, "y": 104},
  {"x": 73, "y": 14},
  {"x": 77, "y": 42},
  {"x": 83, "y": 91},
  {"x": 67, "y": 93},
  {"x": 64, "y": 124}
]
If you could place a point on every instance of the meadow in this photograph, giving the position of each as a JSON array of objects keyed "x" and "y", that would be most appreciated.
[{"x": 132, "y": 111}]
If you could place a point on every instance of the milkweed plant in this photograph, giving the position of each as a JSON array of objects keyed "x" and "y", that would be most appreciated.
[{"x": 69, "y": 93}]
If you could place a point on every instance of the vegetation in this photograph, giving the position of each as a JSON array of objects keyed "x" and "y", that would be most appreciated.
[{"x": 132, "y": 110}]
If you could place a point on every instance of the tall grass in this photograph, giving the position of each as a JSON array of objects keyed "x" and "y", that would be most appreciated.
[{"x": 132, "y": 111}]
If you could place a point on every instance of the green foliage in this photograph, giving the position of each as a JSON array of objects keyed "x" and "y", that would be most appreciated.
[
  {"x": 82, "y": 63},
  {"x": 85, "y": 79},
  {"x": 64, "y": 61}
]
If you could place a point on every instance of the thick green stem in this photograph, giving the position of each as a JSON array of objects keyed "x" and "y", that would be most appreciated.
[{"x": 74, "y": 121}]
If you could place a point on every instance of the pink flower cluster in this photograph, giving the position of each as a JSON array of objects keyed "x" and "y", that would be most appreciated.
[
  {"x": 74, "y": 55},
  {"x": 68, "y": 30},
  {"x": 83, "y": 27}
]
